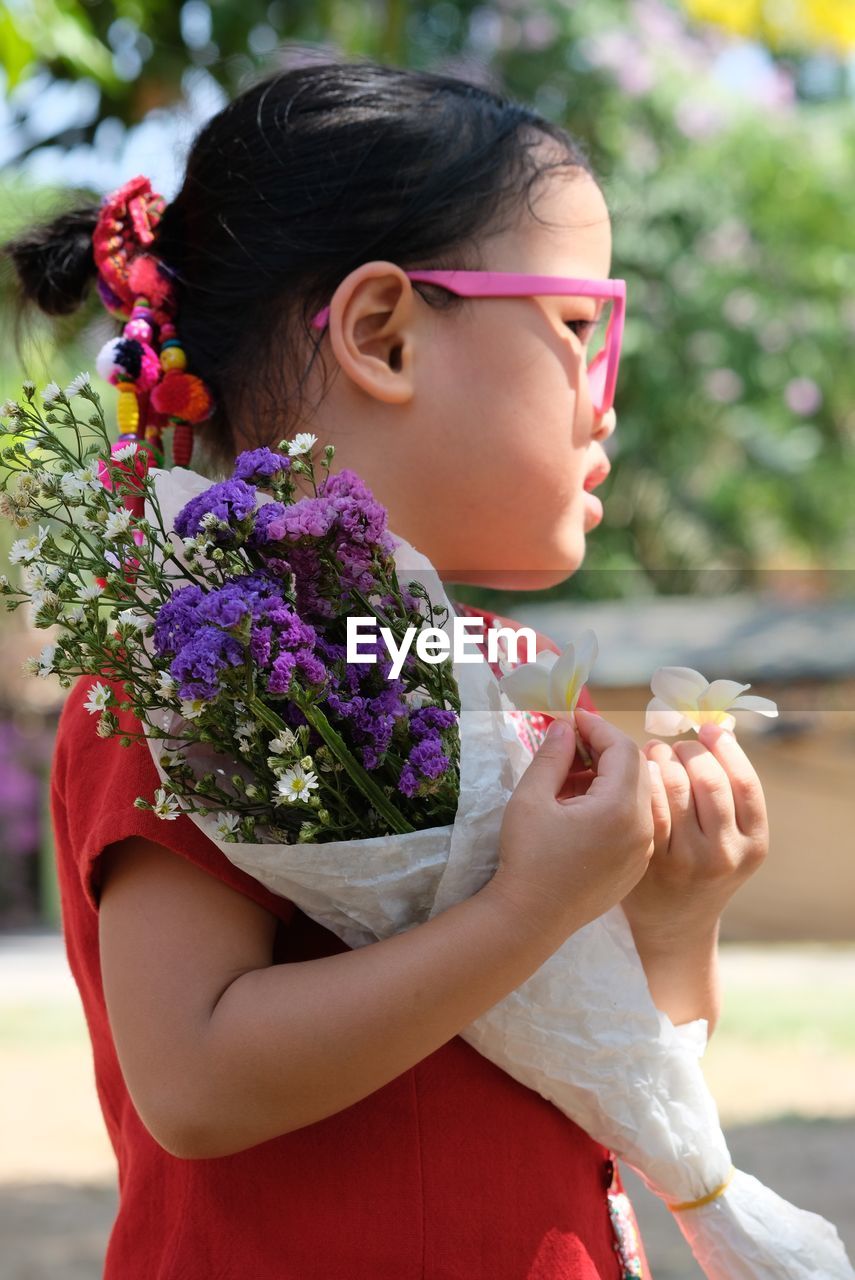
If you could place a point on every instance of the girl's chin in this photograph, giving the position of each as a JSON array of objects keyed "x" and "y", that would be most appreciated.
[{"x": 593, "y": 510}]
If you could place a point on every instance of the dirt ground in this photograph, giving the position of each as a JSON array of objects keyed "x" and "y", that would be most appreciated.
[{"x": 781, "y": 1066}]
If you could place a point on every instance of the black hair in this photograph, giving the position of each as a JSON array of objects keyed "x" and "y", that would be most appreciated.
[{"x": 301, "y": 178}]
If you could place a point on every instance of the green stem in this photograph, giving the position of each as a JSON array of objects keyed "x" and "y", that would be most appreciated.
[{"x": 340, "y": 750}]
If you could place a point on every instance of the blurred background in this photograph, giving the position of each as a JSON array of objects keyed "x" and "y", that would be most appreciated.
[{"x": 723, "y": 134}]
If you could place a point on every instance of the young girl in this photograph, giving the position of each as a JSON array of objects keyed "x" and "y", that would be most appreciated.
[{"x": 283, "y": 1107}]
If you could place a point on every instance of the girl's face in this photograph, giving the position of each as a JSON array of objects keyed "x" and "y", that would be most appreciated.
[
  {"x": 512, "y": 420},
  {"x": 474, "y": 427}
]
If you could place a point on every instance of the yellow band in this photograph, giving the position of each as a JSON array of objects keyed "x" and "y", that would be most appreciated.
[{"x": 712, "y": 1195}]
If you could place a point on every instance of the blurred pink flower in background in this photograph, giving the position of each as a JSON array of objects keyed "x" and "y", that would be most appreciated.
[{"x": 803, "y": 396}]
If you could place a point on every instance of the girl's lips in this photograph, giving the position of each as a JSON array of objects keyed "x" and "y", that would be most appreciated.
[{"x": 594, "y": 506}]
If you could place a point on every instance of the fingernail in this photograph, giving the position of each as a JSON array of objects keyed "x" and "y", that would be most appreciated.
[{"x": 557, "y": 729}]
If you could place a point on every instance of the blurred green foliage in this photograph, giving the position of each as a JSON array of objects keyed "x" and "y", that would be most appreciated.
[{"x": 732, "y": 227}]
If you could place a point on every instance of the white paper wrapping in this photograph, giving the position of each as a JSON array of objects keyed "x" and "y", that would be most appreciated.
[{"x": 583, "y": 1030}]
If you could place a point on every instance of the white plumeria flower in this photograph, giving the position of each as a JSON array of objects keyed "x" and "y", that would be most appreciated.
[
  {"x": 192, "y": 708},
  {"x": 118, "y": 522},
  {"x": 45, "y": 661},
  {"x": 285, "y": 741},
  {"x": 553, "y": 682},
  {"x": 91, "y": 592},
  {"x": 295, "y": 784},
  {"x": 51, "y": 392},
  {"x": 302, "y": 443},
  {"x": 25, "y": 550},
  {"x": 99, "y": 698},
  {"x": 684, "y": 699},
  {"x": 226, "y": 828},
  {"x": 165, "y": 804}
]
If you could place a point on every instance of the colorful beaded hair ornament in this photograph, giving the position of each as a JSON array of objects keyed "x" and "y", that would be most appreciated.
[{"x": 146, "y": 363}]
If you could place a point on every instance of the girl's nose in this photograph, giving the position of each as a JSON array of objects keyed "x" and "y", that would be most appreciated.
[{"x": 603, "y": 427}]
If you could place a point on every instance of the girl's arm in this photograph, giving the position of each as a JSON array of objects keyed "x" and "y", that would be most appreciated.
[{"x": 221, "y": 1049}]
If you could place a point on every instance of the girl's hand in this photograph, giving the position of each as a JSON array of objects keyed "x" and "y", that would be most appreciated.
[
  {"x": 711, "y": 830},
  {"x": 572, "y": 844}
]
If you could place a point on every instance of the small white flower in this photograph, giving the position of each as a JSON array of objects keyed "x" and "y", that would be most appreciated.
[
  {"x": 71, "y": 485},
  {"x": 285, "y": 741},
  {"x": 51, "y": 392},
  {"x": 684, "y": 699},
  {"x": 45, "y": 661},
  {"x": 54, "y": 575},
  {"x": 26, "y": 549},
  {"x": 226, "y": 828},
  {"x": 10, "y": 409},
  {"x": 76, "y": 385},
  {"x": 210, "y": 520},
  {"x": 77, "y": 614},
  {"x": 165, "y": 804},
  {"x": 192, "y": 708},
  {"x": 251, "y": 791},
  {"x": 127, "y": 451},
  {"x": 295, "y": 784},
  {"x": 91, "y": 592},
  {"x": 167, "y": 684},
  {"x": 118, "y": 522},
  {"x": 99, "y": 698},
  {"x": 35, "y": 578},
  {"x": 129, "y": 618},
  {"x": 302, "y": 443},
  {"x": 553, "y": 682},
  {"x": 29, "y": 387},
  {"x": 245, "y": 729}
]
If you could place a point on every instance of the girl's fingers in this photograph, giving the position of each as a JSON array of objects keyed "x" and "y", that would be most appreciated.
[
  {"x": 660, "y": 809},
  {"x": 746, "y": 788},
  {"x": 711, "y": 787},
  {"x": 678, "y": 787}
]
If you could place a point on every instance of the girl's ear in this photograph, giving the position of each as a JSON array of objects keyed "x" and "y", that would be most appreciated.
[{"x": 371, "y": 326}]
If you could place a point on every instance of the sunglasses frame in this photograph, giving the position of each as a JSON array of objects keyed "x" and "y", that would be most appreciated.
[{"x": 515, "y": 284}]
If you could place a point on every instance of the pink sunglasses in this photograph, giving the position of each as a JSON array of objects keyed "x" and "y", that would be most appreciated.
[{"x": 602, "y": 365}]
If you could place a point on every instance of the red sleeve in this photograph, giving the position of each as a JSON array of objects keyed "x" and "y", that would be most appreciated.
[{"x": 94, "y": 782}]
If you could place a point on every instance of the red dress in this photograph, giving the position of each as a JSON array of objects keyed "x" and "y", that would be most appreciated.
[{"x": 451, "y": 1171}]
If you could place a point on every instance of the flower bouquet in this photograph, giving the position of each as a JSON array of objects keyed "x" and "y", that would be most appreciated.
[{"x": 371, "y": 798}]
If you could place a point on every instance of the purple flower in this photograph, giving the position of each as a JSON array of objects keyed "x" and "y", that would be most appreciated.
[
  {"x": 198, "y": 667},
  {"x": 276, "y": 522},
  {"x": 257, "y": 466},
  {"x": 231, "y": 501},
  {"x": 426, "y": 758},
  {"x": 423, "y": 719},
  {"x": 279, "y": 680},
  {"x": 177, "y": 619},
  {"x": 225, "y": 607}
]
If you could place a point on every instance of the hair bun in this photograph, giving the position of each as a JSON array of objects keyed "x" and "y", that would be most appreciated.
[{"x": 54, "y": 261}]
